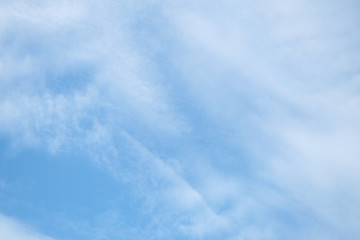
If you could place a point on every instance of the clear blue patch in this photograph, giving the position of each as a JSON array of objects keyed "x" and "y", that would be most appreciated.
[{"x": 57, "y": 193}]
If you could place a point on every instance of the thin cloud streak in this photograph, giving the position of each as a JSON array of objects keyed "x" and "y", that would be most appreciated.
[{"x": 13, "y": 230}]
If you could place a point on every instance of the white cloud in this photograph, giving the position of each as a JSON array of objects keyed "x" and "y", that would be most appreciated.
[
  {"x": 278, "y": 80},
  {"x": 11, "y": 229},
  {"x": 82, "y": 36},
  {"x": 288, "y": 60}
]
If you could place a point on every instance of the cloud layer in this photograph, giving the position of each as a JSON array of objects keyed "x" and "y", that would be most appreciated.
[{"x": 232, "y": 120}]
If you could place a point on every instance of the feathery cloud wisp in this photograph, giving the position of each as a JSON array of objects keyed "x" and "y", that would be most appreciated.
[{"x": 229, "y": 120}]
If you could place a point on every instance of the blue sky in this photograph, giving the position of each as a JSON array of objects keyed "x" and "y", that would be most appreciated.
[{"x": 195, "y": 120}]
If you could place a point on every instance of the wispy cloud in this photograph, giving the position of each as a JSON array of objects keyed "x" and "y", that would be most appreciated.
[
  {"x": 13, "y": 230},
  {"x": 231, "y": 120}
]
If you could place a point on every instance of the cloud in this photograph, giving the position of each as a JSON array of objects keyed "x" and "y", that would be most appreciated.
[
  {"x": 294, "y": 77},
  {"x": 233, "y": 118},
  {"x": 70, "y": 61},
  {"x": 13, "y": 230}
]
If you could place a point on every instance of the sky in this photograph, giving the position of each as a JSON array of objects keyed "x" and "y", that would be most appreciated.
[{"x": 131, "y": 120}]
